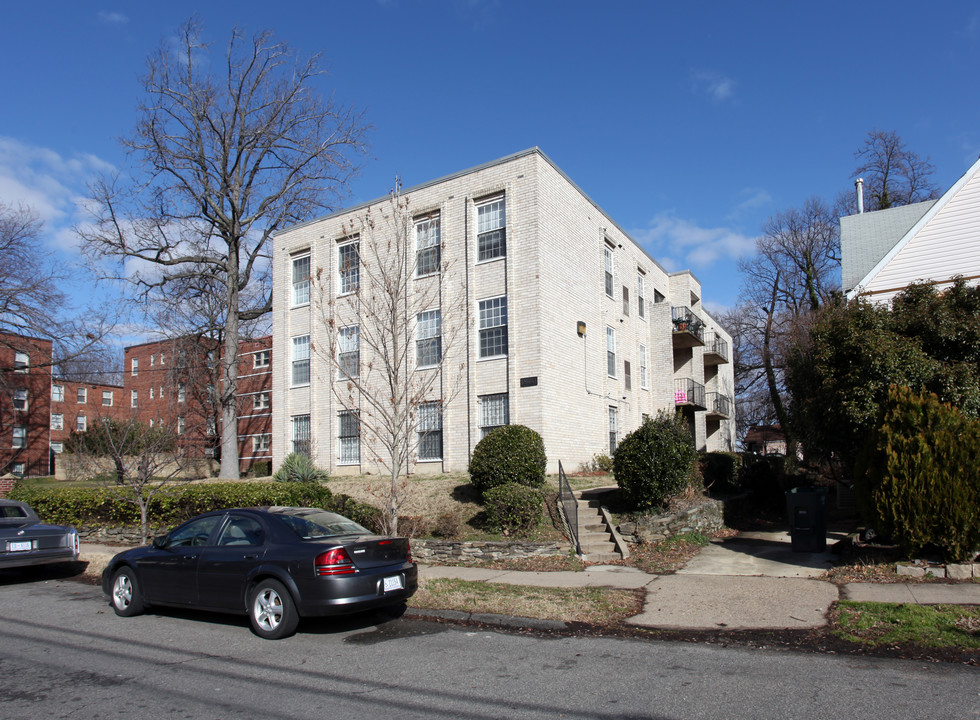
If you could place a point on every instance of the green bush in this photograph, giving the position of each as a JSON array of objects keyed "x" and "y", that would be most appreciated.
[
  {"x": 298, "y": 467},
  {"x": 509, "y": 454},
  {"x": 916, "y": 479},
  {"x": 655, "y": 461},
  {"x": 720, "y": 471},
  {"x": 261, "y": 468},
  {"x": 512, "y": 508}
]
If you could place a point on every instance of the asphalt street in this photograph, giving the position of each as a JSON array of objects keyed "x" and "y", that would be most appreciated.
[{"x": 66, "y": 655}]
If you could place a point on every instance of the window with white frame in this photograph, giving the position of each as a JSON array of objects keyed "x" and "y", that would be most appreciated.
[
  {"x": 644, "y": 373},
  {"x": 261, "y": 359},
  {"x": 22, "y": 362},
  {"x": 627, "y": 375},
  {"x": 210, "y": 426},
  {"x": 301, "y": 280},
  {"x": 57, "y": 448},
  {"x": 107, "y": 398},
  {"x": 161, "y": 358},
  {"x": 81, "y": 423},
  {"x": 180, "y": 425},
  {"x": 152, "y": 393},
  {"x": 613, "y": 429},
  {"x": 82, "y": 395},
  {"x": 626, "y": 300},
  {"x": 261, "y": 443},
  {"x": 349, "y": 266},
  {"x": 430, "y": 431},
  {"x": 493, "y": 327},
  {"x": 491, "y": 230},
  {"x": 301, "y": 434},
  {"x": 348, "y": 352},
  {"x": 641, "y": 302},
  {"x": 57, "y": 393},
  {"x": 494, "y": 412},
  {"x": 261, "y": 401},
  {"x": 151, "y": 360},
  {"x": 348, "y": 437},
  {"x": 20, "y": 400},
  {"x": 610, "y": 352},
  {"x": 428, "y": 338},
  {"x": 20, "y": 436},
  {"x": 161, "y": 392},
  {"x": 134, "y": 398},
  {"x": 57, "y": 421},
  {"x": 151, "y": 423},
  {"x": 608, "y": 269},
  {"x": 135, "y": 366},
  {"x": 301, "y": 360},
  {"x": 181, "y": 392},
  {"x": 428, "y": 246}
]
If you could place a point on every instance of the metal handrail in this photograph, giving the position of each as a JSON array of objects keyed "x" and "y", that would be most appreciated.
[{"x": 569, "y": 507}]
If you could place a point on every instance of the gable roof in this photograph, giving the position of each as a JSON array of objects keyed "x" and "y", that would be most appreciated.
[{"x": 865, "y": 236}]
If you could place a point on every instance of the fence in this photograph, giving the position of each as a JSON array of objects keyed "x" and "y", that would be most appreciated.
[{"x": 569, "y": 506}]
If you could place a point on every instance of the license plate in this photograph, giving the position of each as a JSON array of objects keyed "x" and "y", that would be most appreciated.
[
  {"x": 394, "y": 583},
  {"x": 19, "y": 545}
]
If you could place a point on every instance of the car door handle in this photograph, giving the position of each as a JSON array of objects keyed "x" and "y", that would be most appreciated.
[{"x": 250, "y": 557}]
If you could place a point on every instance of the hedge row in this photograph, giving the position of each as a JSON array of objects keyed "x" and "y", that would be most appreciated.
[{"x": 114, "y": 507}]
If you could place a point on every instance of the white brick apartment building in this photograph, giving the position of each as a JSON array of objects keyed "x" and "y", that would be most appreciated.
[{"x": 567, "y": 325}]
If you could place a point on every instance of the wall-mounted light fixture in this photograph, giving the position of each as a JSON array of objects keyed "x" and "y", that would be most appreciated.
[{"x": 581, "y": 328}]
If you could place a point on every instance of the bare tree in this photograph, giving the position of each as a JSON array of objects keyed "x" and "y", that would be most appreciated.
[
  {"x": 893, "y": 174},
  {"x": 391, "y": 343},
  {"x": 225, "y": 157}
]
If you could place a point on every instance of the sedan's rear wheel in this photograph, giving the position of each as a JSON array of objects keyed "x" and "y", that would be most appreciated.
[
  {"x": 272, "y": 611},
  {"x": 127, "y": 598}
]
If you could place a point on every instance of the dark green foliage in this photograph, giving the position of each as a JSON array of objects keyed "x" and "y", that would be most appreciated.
[
  {"x": 261, "y": 468},
  {"x": 512, "y": 508},
  {"x": 109, "y": 507},
  {"x": 509, "y": 454},
  {"x": 720, "y": 471},
  {"x": 298, "y": 467},
  {"x": 655, "y": 461},
  {"x": 111, "y": 437},
  {"x": 916, "y": 479},
  {"x": 763, "y": 478}
]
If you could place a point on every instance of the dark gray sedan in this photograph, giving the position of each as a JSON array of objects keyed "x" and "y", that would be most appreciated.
[
  {"x": 275, "y": 564},
  {"x": 26, "y": 541}
]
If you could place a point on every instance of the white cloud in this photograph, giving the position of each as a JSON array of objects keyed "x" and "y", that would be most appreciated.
[
  {"x": 715, "y": 85},
  {"x": 680, "y": 244},
  {"x": 112, "y": 18}
]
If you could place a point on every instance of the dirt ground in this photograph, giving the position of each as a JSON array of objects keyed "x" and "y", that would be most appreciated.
[{"x": 425, "y": 495}]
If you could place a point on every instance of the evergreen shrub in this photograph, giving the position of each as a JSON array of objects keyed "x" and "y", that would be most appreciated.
[
  {"x": 509, "y": 454},
  {"x": 720, "y": 471},
  {"x": 299, "y": 467},
  {"x": 512, "y": 508},
  {"x": 655, "y": 461}
]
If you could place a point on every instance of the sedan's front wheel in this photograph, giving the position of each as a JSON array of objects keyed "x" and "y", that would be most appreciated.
[
  {"x": 127, "y": 599},
  {"x": 272, "y": 611}
]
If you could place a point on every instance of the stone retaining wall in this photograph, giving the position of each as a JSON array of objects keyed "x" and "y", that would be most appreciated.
[
  {"x": 458, "y": 552},
  {"x": 707, "y": 517}
]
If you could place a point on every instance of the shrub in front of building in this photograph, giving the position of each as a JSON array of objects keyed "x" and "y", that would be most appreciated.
[
  {"x": 298, "y": 467},
  {"x": 512, "y": 508},
  {"x": 655, "y": 461},
  {"x": 508, "y": 454}
]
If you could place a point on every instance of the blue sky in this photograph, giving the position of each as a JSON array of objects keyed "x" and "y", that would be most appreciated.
[{"x": 689, "y": 123}]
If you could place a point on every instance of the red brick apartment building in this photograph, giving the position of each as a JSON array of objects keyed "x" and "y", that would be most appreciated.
[{"x": 173, "y": 382}]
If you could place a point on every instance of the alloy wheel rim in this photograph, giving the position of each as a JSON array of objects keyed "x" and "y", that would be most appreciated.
[
  {"x": 268, "y": 609},
  {"x": 123, "y": 592}
]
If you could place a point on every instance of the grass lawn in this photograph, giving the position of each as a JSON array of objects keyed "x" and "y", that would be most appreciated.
[{"x": 890, "y": 624}]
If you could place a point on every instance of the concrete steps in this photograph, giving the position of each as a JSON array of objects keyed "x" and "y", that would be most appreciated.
[{"x": 597, "y": 538}]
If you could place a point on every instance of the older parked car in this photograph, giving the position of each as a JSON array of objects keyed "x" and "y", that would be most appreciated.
[
  {"x": 26, "y": 541},
  {"x": 275, "y": 564}
]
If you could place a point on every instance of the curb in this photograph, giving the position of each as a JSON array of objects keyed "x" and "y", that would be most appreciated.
[{"x": 508, "y": 621}]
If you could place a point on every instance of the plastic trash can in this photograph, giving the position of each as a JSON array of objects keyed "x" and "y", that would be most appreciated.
[{"x": 807, "y": 510}]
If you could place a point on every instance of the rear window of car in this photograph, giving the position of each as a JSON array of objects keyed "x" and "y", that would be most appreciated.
[
  {"x": 316, "y": 524},
  {"x": 12, "y": 511}
]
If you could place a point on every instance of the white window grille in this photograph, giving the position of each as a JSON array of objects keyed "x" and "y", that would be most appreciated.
[
  {"x": 349, "y": 437},
  {"x": 58, "y": 393},
  {"x": 261, "y": 401},
  {"x": 644, "y": 373},
  {"x": 301, "y": 360},
  {"x": 428, "y": 246},
  {"x": 81, "y": 423},
  {"x": 349, "y": 267},
  {"x": 301, "y": 280},
  {"x": 82, "y": 395},
  {"x": 494, "y": 413},
  {"x": 135, "y": 366},
  {"x": 22, "y": 362},
  {"x": 57, "y": 421},
  {"x": 260, "y": 359},
  {"x": 107, "y": 398},
  {"x": 134, "y": 398},
  {"x": 608, "y": 269},
  {"x": 641, "y": 303},
  {"x": 20, "y": 400},
  {"x": 261, "y": 443},
  {"x": 20, "y": 436},
  {"x": 613, "y": 429},
  {"x": 430, "y": 431},
  {"x": 610, "y": 351},
  {"x": 493, "y": 327},
  {"x": 301, "y": 434},
  {"x": 428, "y": 338},
  {"x": 348, "y": 352},
  {"x": 491, "y": 238}
]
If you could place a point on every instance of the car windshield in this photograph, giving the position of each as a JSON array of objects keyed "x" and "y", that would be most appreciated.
[{"x": 312, "y": 523}]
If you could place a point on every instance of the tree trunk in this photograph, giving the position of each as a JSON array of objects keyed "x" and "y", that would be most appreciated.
[{"x": 228, "y": 390}]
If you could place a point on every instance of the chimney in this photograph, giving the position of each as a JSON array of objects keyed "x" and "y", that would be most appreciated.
[{"x": 859, "y": 186}]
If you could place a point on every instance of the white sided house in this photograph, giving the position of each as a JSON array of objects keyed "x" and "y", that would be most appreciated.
[
  {"x": 885, "y": 251},
  {"x": 525, "y": 304}
]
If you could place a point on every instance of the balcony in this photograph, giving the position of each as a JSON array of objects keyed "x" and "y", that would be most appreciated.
[
  {"x": 719, "y": 406},
  {"x": 715, "y": 350},
  {"x": 688, "y": 393},
  {"x": 688, "y": 328}
]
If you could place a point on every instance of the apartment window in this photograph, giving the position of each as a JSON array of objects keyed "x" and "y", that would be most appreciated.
[
  {"x": 491, "y": 238},
  {"x": 57, "y": 421},
  {"x": 644, "y": 373},
  {"x": 57, "y": 448},
  {"x": 349, "y": 266},
  {"x": 210, "y": 426},
  {"x": 260, "y": 359},
  {"x": 641, "y": 301},
  {"x": 608, "y": 271},
  {"x": 613, "y": 429},
  {"x": 161, "y": 358},
  {"x": 20, "y": 436},
  {"x": 21, "y": 362},
  {"x": 81, "y": 424},
  {"x": 107, "y": 398},
  {"x": 428, "y": 246},
  {"x": 627, "y": 375},
  {"x": 261, "y": 443},
  {"x": 151, "y": 360},
  {"x": 493, "y": 327},
  {"x": 428, "y": 338},
  {"x": 82, "y": 395},
  {"x": 152, "y": 391},
  {"x": 161, "y": 392},
  {"x": 430, "y": 431},
  {"x": 58, "y": 393},
  {"x": 626, "y": 300},
  {"x": 134, "y": 398},
  {"x": 181, "y": 392},
  {"x": 135, "y": 366},
  {"x": 349, "y": 437},
  {"x": 151, "y": 423},
  {"x": 494, "y": 413},
  {"x": 658, "y": 297},
  {"x": 20, "y": 400},
  {"x": 301, "y": 360},
  {"x": 18, "y": 468},
  {"x": 301, "y": 280},
  {"x": 610, "y": 352},
  {"x": 180, "y": 426},
  {"x": 301, "y": 434},
  {"x": 348, "y": 352},
  {"x": 261, "y": 401}
]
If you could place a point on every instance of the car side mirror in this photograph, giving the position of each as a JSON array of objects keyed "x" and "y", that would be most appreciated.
[{"x": 160, "y": 542}]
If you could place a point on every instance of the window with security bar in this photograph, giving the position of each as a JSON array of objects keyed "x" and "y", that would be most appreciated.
[
  {"x": 494, "y": 413},
  {"x": 428, "y": 338},
  {"x": 493, "y": 327},
  {"x": 430, "y": 431},
  {"x": 349, "y": 438},
  {"x": 427, "y": 246},
  {"x": 301, "y": 434},
  {"x": 491, "y": 230}
]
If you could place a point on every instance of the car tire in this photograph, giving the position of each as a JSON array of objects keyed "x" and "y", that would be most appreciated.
[
  {"x": 271, "y": 610},
  {"x": 125, "y": 596}
]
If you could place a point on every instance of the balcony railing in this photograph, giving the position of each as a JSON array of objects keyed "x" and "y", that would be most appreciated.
[
  {"x": 719, "y": 405},
  {"x": 715, "y": 350},
  {"x": 688, "y": 393},
  {"x": 688, "y": 328}
]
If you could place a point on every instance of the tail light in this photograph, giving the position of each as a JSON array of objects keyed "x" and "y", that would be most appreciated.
[
  {"x": 334, "y": 562},
  {"x": 408, "y": 551}
]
